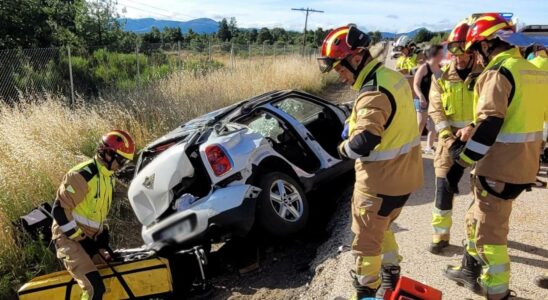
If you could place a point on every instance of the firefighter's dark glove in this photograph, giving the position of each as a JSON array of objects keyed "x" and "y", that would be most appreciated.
[
  {"x": 453, "y": 178},
  {"x": 456, "y": 148},
  {"x": 90, "y": 246},
  {"x": 103, "y": 239}
]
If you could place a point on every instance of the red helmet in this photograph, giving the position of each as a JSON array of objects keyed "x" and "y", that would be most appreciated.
[
  {"x": 119, "y": 142},
  {"x": 457, "y": 38},
  {"x": 341, "y": 43},
  {"x": 458, "y": 34},
  {"x": 486, "y": 27}
]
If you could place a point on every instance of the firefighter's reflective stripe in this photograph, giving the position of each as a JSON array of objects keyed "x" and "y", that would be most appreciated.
[
  {"x": 376, "y": 155},
  {"x": 85, "y": 221},
  {"x": 460, "y": 124},
  {"x": 70, "y": 225},
  {"x": 442, "y": 125},
  {"x": 351, "y": 154},
  {"x": 477, "y": 147},
  {"x": 519, "y": 137}
]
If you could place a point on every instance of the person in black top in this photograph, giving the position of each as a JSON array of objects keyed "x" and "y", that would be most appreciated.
[{"x": 421, "y": 86}]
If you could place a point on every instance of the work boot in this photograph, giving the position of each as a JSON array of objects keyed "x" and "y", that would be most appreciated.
[
  {"x": 362, "y": 292},
  {"x": 390, "y": 276},
  {"x": 467, "y": 274},
  {"x": 436, "y": 248},
  {"x": 542, "y": 281}
]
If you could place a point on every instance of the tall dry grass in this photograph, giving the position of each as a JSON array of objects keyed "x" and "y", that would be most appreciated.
[{"x": 41, "y": 138}]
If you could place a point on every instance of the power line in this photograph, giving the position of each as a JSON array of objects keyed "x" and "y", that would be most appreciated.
[
  {"x": 157, "y": 13},
  {"x": 307, "y": 10}
]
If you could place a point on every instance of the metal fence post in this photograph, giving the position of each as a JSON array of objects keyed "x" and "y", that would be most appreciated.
[
  {"x": 249, "y": 49},
  {"x": 179, "y": 54},
  {"x": 209, "y": 49},
  {"x": 232, "y": 54},
  {"x": 70, "y": 75},
  {"x": 263, "y": 50},
  {"x": 138, "y": 71}
]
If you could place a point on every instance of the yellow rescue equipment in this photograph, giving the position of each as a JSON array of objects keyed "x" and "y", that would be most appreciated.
[{"x": 142, "y": 278}]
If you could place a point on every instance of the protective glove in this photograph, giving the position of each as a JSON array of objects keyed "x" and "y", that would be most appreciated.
[
  {"x": 456, "y": 149},
  {"x": 90, "y": 246},
  {"x": 453, "y": 178},
  {"x": 102, "y": 239},
  {"x": 345, "y": 132},
  {"x": 340, "y": 150}
]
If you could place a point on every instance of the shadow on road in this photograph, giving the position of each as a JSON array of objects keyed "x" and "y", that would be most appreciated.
[{"x": 283, "y": 263}]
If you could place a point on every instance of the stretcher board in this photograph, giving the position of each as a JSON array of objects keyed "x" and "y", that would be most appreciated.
[{"x": 145, "y": 278}]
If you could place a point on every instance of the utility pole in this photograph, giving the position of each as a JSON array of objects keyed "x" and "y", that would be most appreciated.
[{"x": 308, "y": 11}]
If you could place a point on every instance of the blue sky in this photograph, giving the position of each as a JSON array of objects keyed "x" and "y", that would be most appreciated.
[{"x": 383, "y": 15}]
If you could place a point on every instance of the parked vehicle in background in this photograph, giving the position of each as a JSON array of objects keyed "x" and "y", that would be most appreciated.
[{"x": 247, "y": 164}]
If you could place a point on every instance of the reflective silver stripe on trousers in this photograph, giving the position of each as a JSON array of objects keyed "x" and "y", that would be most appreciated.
[
  {"x": 496, "y": 289},
  {"x": 70, "y": 225},
  {"x": 390, "y": 154},
  {"x": 441, "y": 230},
  {"x": 477, "y": 147},
  {"x": 519, "y": 137},
  {"x": 85, "y": 221},
  {"x": 351, "y": 154},
  {"x": 460, "y": 124},
  {"x": 442, "y": 125},
  {"x": 495, "y": 269},
  {"x": 391, "y": 258}
]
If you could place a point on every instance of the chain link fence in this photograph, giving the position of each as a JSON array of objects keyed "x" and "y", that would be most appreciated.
[{"x": 91, "y": 72}]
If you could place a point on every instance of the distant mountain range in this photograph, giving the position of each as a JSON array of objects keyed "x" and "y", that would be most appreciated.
[
  {"x": 202, "y": 25},
  {"x": 411, "y": 34}
]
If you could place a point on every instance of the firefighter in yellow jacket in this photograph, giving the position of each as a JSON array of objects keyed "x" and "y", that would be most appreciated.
[
  {"x": 382, "y": 137},
  {"x": 81, "y": 207},
  {"x": 504, "y": 147},
  {"x": 451, "y": 109}
]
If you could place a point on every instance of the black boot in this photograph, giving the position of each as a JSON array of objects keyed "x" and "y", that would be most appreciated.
[
  {"x": 361, "y": 291},
  {"x": 467, "y": 274},
  {"x": 542, "y": 281},
  {"x": 436, "y": 248},
  {"x": 390, "y": 277}
]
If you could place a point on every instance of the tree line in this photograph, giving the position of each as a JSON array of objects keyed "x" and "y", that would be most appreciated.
[{"x": 96, "y": 24}]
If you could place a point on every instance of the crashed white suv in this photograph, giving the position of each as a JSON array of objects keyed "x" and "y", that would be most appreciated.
[{"x": 247, "y": 164}]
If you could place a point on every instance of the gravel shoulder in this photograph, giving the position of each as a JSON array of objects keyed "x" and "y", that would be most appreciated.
[{"x": 310, "y": 266}]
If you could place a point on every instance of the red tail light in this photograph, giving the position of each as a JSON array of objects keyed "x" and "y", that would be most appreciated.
[{"x": 218, "y": 159}]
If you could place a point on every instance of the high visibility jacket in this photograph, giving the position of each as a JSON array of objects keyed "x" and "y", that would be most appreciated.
[
  {"x": 541, "y": 62},
  {"x": 510, "y": 113},
  {"x": 407, "y": 63},
  {"x": 385, "y": 109},
  {"x": 86, "y": 196},
  {"x": 452, "y": 99}
]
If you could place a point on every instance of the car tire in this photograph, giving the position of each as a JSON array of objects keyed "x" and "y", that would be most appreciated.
[{"x": 285, "y": 214}]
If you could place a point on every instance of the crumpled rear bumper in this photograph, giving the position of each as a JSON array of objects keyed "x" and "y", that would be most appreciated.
[{"x": 230, "y": 209}]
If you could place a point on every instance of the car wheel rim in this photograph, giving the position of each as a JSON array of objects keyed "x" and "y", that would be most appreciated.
[{"x": 286, "y": 200}]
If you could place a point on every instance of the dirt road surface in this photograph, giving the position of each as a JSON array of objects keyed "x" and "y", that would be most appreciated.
[{"x": 309, "y": 266}]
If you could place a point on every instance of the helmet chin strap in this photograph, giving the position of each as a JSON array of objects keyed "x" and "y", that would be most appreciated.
[
  {"x": 485, "y": 55},
  {"x": 355, "y": 71}
]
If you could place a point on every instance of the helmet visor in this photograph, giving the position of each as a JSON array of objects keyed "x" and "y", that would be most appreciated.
[
  {"x": 456, "y": 48},
  {"x": 327, "y": 64},
  {"x": 398, "y": 48}
]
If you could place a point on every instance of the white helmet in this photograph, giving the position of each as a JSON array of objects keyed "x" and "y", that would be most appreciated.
[{"x": 402, "y": 41}]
